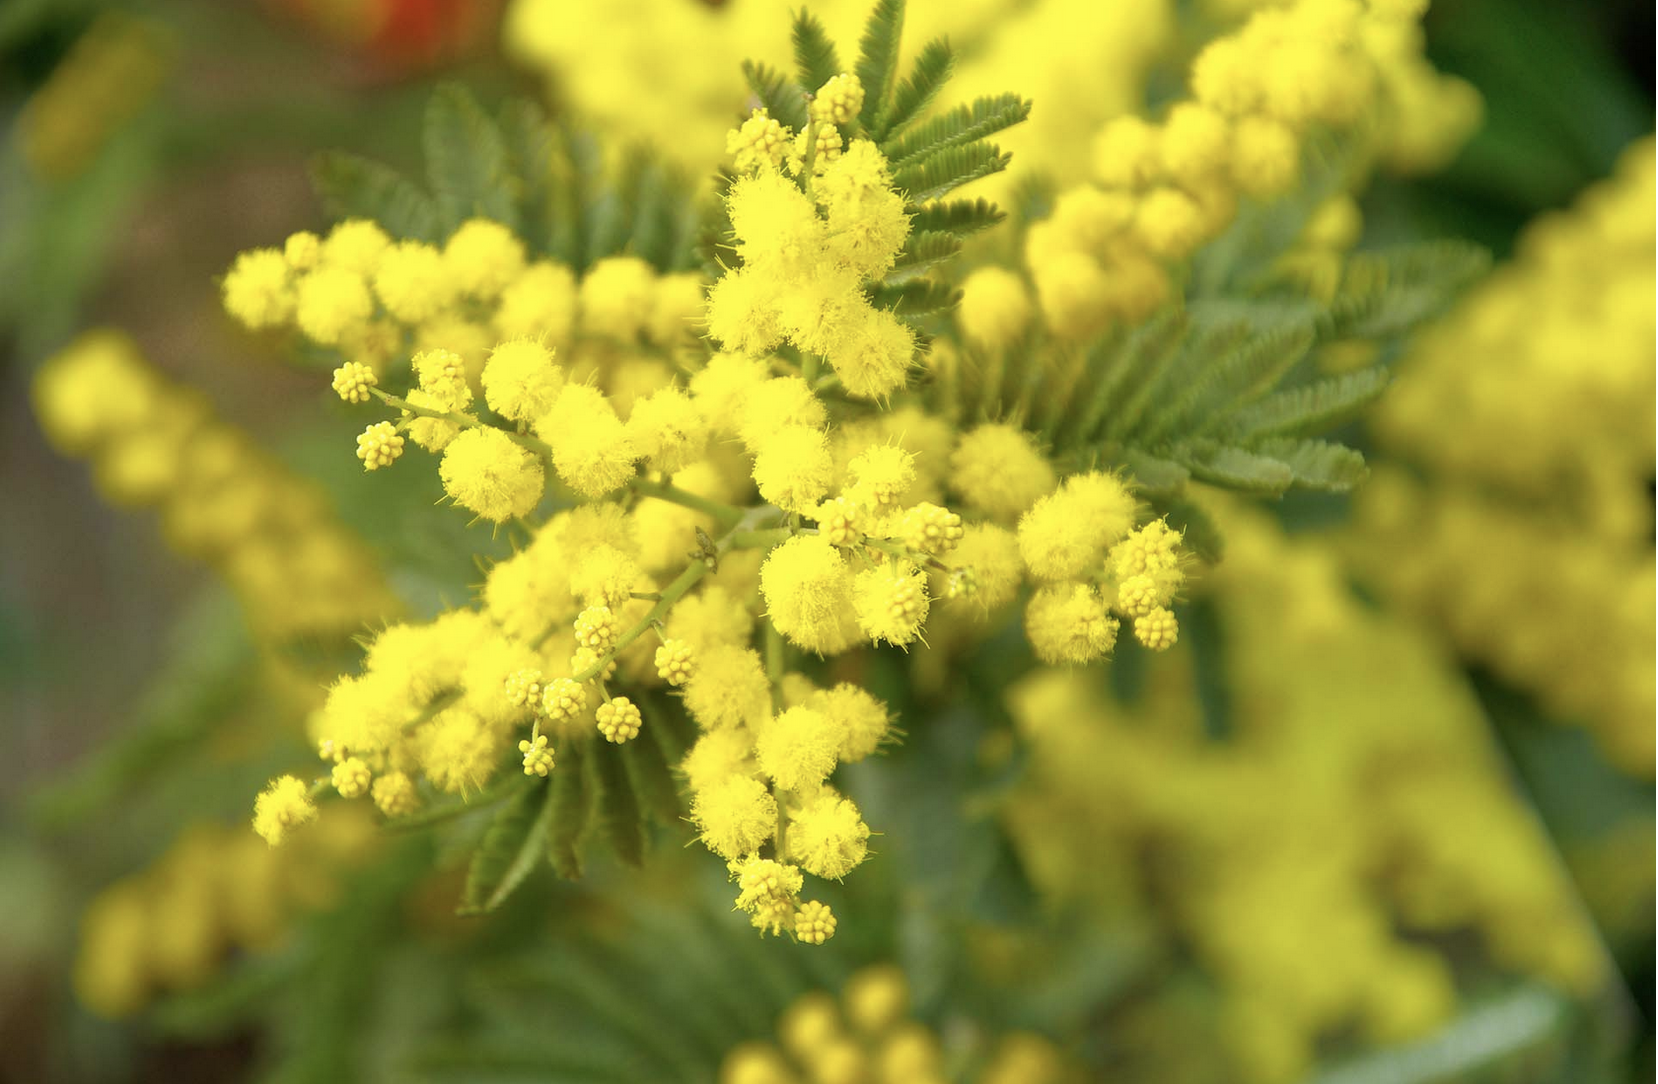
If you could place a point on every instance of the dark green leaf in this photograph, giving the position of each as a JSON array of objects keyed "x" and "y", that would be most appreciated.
[
  {"x": 782, "y": 98},
  {"x": 467, "y": 164},
  {"x": 960, "y": 126},
  {"x": 528, "y": 137},
  {"x": 923, "y": 251},
  {"x": 1154, "y": 473},
  {"x": 1236, "y": 468},
  {"x": 571, "y": 803},
  {"x": 931, "y": 71},
  {"x": 1389, "y": 291},
  {"x": 652, "y": 779},
  {"x": 878, "y": 64},
  {"x": 1201, "y": 535},
  {"x": 354, "y": 187},
  {"x": 619, "y": 814},
  {"x": 1317, "y": 464},
  {"x": 957, "y": 217},
  {"x": 917, "y": 297},
  {"x": 816, "y": 61},
  {"x": 1238, "y": 376},
  {"x": 944, "y": 172},
  {"x": 510, "y": 850},
  {"x": 1309, "y": 408}
]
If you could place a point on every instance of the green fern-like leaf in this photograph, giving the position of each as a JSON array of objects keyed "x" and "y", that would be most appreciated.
[
  {"x": 510, "y": 850},
  {"x": 781, "y": 96},
  {"x": 1236, "y": 468},
  {"x": 1240, "y": 375},
  {"x": 529, "y": 140},
  {"x": 962, "y": 125},
  {"x": 467, "y": 165},
  {"x": 922, "y": 252},
  {"x": 932, "y": 69},
  {"x": 917, "y": 297},
  {"x": 960, "y": 218},
  {"x": 354, "y": 187},
  {"x": 572, "y": 804},
  {"x": 1314, "y": 407},
  {"x": 878, "y": 65},
  {"x": 815, "y": 58},
  {"x": 1316, "y": 464},
  {"x": 947, "y": 170},
  {"x": 1385, "y": 293},
  {"x": 619, "y": 816}
]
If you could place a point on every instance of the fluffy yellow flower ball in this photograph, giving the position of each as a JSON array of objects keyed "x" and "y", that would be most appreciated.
[
  {"x": 798, "y": 748},
  {"x": 483, "y": 258},
  {"x": 807, "y": 586},
  {"x": 520, "y": 380},
  {"x": 484, "y": 472},
  {"x": 735, "y": 815}
]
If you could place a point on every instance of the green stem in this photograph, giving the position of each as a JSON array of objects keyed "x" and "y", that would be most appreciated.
[
  {"x": 465, "y": 421},
  {"x": 754, "y": 540},
  {"x": 723, "y": 514},
  {"x": 774, "y": 665}
]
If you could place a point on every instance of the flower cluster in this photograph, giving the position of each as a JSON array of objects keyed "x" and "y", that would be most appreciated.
[
  {"x": 1532, "y": 529},
  {"x": 871, "y": 1035},
  {"x": 814, "y": 525},
  {"x": 217, "y": 889},
  {"x": 1354, "y": 813},
  {"x": 153, "y": 443},
  {"x": 373, "y": 298},
  {"x": 1257, "y": 96}
]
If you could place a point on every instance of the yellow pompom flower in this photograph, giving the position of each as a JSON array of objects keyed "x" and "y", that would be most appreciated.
[
  {"x": 333, "y": 304},
  {"x": 676, "y": 309},
  {"x": 523, "y": 689},
  {"x": 433, "y": 434},
  {"x": 766, "y": 889},
  {"x": 379, "y": 445},
  {"x": 928, "y": 528},
  {"x": 395, "y": 795},
  {"x": 667, "y": 430},
  {"x": 862, "y": 720},
  {"x": 872, "y": 353},
  {"x": 793, "y": 468},
  {"x": 538, "y": 756},
  {"x": 770, "y": 405},
  {"x": 1126, "y": 153},
  {"x": 1169, "y": 223},
  {"x": 778, "y": 231},
  {"x": 717, "y": 755},
  {"x": 866, "y": 220},
  {"x": 999, "y": 471},
  {"x": 839, "y": 521},
  {"x": 564, "y": 700},
  {"x": 357, "y": 244},
  {"x": 302, "y": 250},
  {"x": 521, "y": 383},
  {"x": 891, "y": 603},
  {"x": 591, "y": 449},
  {"x": 603, "y": 575},
  {"x": 728, "y": 688},
  {"x": 884, "y": 472},
  {"x": 839, "y": 100},
  {"x": 413, "y": 282},
  {"x": 1195, "y": 143},
  {"x": 807, "y": 586},
  {"x": 675, "y": 660},
  {"x": 1266, "y": 157},
  {"x": 1072, "y": 289},
  {"x": 1157, "y": 629},
  {"x": 742, "y": 312},
  {"x": 759, "y": 143},
  {"x": 1068, "y": 623},
  {"x": 539, "y": 304},
  {"x": 257, "y": 290},
  {"x": 616, "y": 298},
  {"x": 988, "y": 567},
  {"x": 828, "y": 837},
  {"x": 352, "y": 381},
  {"x": 814, "y": 923},
  {"x": 351, "y": 777},
  {"x": 1067, "y": 532},
  {"x": 1153, "y": 548},
  {"x": 735, "y": 816},
  {"x": 484, "y": 472},
  {"x": 798, "y": 748},
  {"x": 619, "y": 720},
  {"x": 597, "y": 628},
  {"x": 483, "y": 258},
  {"x": 283, "y": 806},
  {"x": 995, "y": 308}
]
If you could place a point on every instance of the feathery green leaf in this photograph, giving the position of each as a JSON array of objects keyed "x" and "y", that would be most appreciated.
[
  {"x": 619, "y": 815},
  {"x": 1241, "y": 375},
  {"x": 931, "y": 71},
  {"x": 510, "y": 850},
  {"x": 572, "y": 803},
  {"x": 947, "y": 170},
  {"x": 960, "y": 126},
  {"x": 1236, "y": 468},
  {"x": 878, "y": 64},
  {"x": 1307, "y": 408},
  {"x": 1317, "y": 464},
  {"x": 922, "y": 252},
  {"x": 781, "y": 96},
  {"x": 466, "y": 161},
  {"x": 816, "y": 61},
  {"x": 917, "y": 297},
  {"x": 354, "y": 187},
  {"x": 958, "y": 217}
]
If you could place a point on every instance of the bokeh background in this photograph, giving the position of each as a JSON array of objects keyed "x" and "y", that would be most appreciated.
[{"x": 144, "y": 145}]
